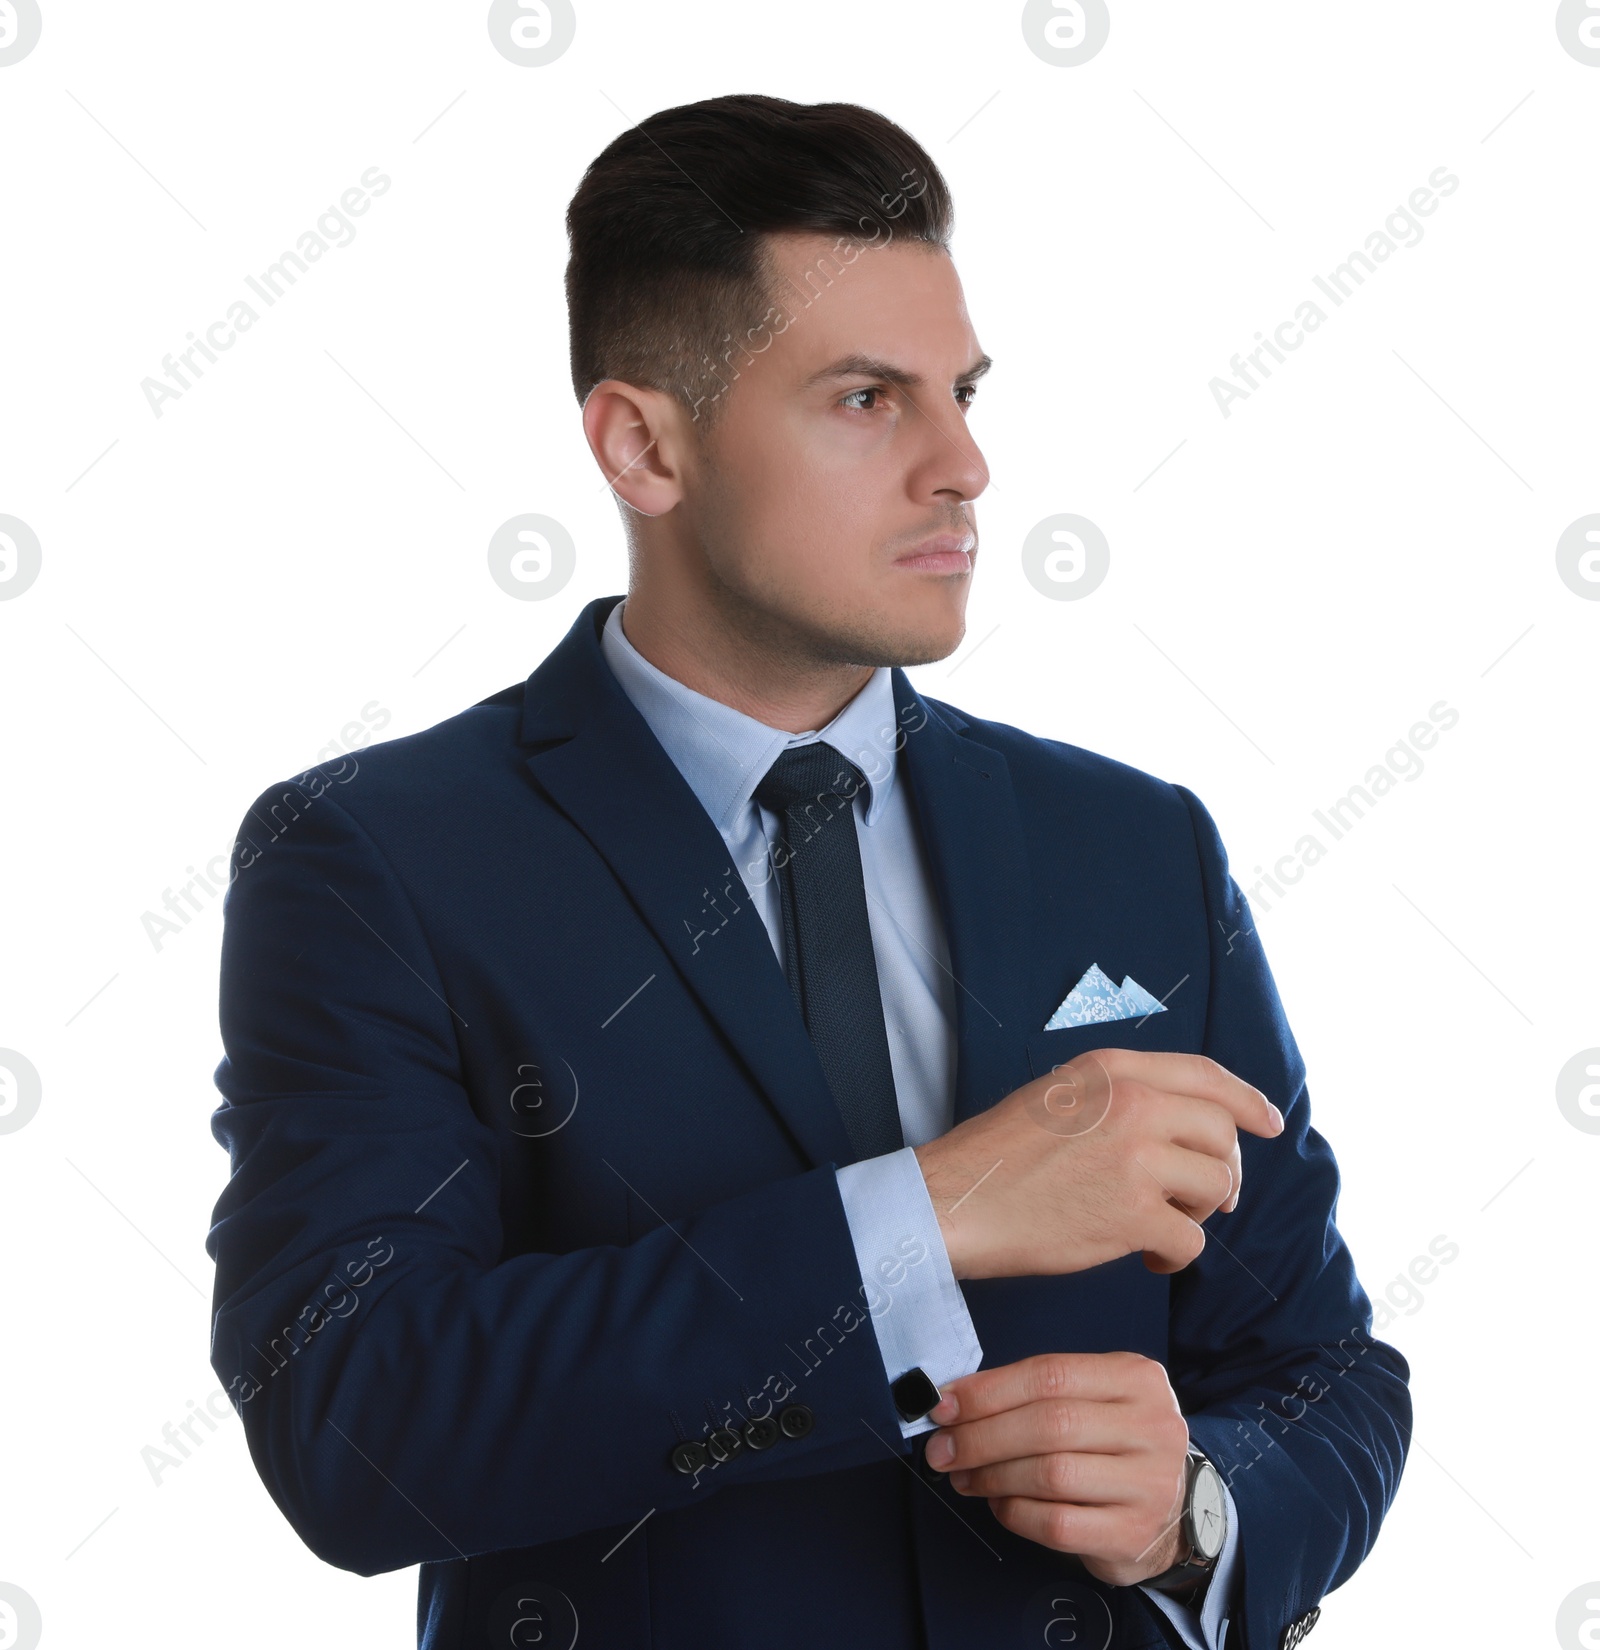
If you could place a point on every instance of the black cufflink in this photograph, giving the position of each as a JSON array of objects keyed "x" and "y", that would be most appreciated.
[{"x": 914, "y": 1395}]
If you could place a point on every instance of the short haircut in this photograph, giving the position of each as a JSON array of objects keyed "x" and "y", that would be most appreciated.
[{"x": 668, "y": 230}]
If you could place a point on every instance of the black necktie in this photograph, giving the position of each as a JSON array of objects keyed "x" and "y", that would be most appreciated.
[{"x": 827, "y": 940}]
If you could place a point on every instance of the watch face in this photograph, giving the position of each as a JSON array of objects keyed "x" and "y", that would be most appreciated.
[{"x": 1208, "y": 1512}]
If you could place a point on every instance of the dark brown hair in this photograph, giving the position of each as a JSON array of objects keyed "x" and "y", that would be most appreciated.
[{"x": 667, "y": 229}]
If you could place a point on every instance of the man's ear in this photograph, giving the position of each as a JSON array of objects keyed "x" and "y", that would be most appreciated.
[{"x": 640, "y": 439}]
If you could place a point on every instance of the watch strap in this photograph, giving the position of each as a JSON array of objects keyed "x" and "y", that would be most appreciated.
[{"x": 1191, "y": 1569}]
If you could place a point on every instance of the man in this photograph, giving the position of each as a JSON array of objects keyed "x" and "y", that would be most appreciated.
[{"x": 654, "y": 1090}]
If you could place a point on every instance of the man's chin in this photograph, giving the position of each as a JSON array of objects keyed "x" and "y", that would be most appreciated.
[{"x": 891, "y": 641}]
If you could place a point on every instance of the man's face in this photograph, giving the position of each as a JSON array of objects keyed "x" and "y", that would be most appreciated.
[{"x": 839, "y": 453}]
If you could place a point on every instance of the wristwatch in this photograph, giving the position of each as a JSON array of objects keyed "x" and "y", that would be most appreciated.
[{"x": 1203, "y": 1527}]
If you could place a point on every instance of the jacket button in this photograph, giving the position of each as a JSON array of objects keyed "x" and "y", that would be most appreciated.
[
  {"x": 688, "y": 1458},
  {"x": 724, "y": 1444},
  {"x": 795, "y": 1421},
  {"x": 761, "y": 1434}
]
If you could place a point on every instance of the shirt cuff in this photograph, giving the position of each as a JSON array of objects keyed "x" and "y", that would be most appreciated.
[
  {"x": 1205, "y": 1627},
  {"x": 918, "y": 1311}
]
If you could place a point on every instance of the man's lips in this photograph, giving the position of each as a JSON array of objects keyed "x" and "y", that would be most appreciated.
[{"x": 944, "y": 553}]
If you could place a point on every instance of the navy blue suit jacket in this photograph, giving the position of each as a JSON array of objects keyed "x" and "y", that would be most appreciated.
[{"x": 533, "y": 1179}]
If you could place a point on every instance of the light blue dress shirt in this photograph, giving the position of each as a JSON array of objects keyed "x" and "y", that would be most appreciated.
[{"x": 918, "y": 1312}]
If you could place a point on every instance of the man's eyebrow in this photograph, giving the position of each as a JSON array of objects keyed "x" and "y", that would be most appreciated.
[{"x": 869, "y": 366}]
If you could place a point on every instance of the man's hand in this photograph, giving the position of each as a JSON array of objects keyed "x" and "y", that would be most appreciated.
[
  {"x": 1116, "y": 1153},
  {"x": 1079, "y": 1451}
]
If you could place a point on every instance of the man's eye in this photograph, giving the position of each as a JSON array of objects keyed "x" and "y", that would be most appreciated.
[
  {"x": 854, "y": 393},
  {"x": 966, "y": 394}
]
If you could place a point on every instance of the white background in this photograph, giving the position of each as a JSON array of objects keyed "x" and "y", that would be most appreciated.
[{"x": 223, "y": 588}]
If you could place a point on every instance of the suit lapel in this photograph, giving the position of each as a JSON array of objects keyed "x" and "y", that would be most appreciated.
[
  {"x": 967, "y": 811},
  {"x": 594, "y": 756}
]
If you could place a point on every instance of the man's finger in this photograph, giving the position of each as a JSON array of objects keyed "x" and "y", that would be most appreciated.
[
  {"x": 1097, "y": 1376},
  {"x": 1060, "y": 1525},
  {"x": 1198, "y": 1183},
  {"x": 1197, "y": 1075},
  {"x": 1083, "y": 1479},
  {"x": 1236, "y": 1164},
  {"x": 1036, "y": 1429},
  {"x": 1201, "y": 1125},
  {"x": 1205, "y": 1126}
]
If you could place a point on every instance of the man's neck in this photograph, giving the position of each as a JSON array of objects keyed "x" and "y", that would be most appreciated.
[{"x": 779, "y": 690}]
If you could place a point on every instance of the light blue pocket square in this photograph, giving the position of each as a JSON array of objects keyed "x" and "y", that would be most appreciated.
[{"x": 1096, "y": 998}]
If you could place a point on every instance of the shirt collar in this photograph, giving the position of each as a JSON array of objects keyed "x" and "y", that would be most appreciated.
[{"x": 724, "y": 754}]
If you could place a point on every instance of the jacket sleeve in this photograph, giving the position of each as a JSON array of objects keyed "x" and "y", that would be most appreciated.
[
  {"x": 408, "y": 1391},
  {"x": 1305, "y": 1414}
]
